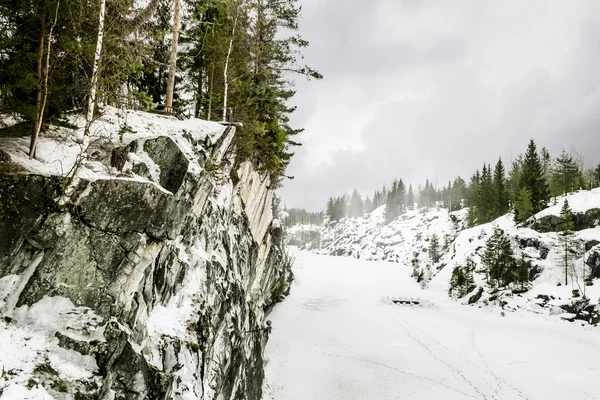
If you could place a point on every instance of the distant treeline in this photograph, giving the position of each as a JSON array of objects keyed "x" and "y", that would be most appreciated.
[{"x": 532, "y": 180}]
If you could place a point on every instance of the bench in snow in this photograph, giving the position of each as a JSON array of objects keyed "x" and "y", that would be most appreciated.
[{"x": 409, "y": 301}]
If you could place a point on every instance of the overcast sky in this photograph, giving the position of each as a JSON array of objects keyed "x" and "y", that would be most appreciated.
[{"x": 421, "y": 89}]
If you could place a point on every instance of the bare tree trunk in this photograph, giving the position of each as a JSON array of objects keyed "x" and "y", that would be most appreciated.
[
  {"x": 173, "y": 59},
  {"x": 38, "y": 94},
  {"x": 210, "y": 93},
  {"x": 41, "y": 107},
  {"x": 225, "y": 71},
  {"x": 90, "y": 111},
  {"x": 566, "y": 261},
  {"x": 199, "y": 90}
]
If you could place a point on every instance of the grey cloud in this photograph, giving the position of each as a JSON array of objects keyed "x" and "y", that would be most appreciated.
[{"x": 471, "y": 105}]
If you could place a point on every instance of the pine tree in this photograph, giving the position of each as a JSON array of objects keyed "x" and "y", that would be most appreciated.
[
  {"x": 356, "y": 205},
  {"x": 462, "y": 281},
  {"x": 532, "y": 178},
  {"x": 392, "y": 206},
  {"x": 597, "y": 176},
  {"x": 514, "y": 177},
  {"x": 500, "y": 191},
  {"x": 434, "y": 248},
  {"x": 410, "y": 198},
  {"x": 566, "y": 175},
  {"x": 523, "y": 205},
  {"x": 486, "y": 198},
  {"x": 498, "y": 259},
  {"x": 472, "y": 198},
  {"x": 566, "y": 227},
  {"x": 368, "y": 206},
  {"x": 458, "y": 193},
  {"x": 401, "y": 196},
  {"x": 522, "y": 274}
]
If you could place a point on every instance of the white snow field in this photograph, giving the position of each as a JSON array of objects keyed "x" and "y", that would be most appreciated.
[{"x": 336, "y": 337}]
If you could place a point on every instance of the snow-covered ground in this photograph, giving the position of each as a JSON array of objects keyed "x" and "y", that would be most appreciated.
[
  {"x": 58, "y": 148},
  {"x": 334, "y": 338}
]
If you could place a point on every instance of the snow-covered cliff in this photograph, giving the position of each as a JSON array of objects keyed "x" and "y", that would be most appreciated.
[{"x": 153, "y": 280}]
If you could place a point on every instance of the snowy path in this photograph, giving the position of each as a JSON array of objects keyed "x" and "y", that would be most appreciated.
[{"x": 335, "y": 339}]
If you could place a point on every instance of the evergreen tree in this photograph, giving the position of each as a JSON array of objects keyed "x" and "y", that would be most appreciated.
[
  {"x": 401, "y": 196},
  {"x": 486, "y": 198},
  {"x": 498, "y": 259},
  {"x": 368, "y": 206},
  {"x": 546, "y": 164},
  {"x": 566, "y": 175},
  {"x": 500, "y": 191},
  {"x": 566, "y": 227},
  {"x": 392, "y": 206},
  {"x": 514, "y": 176},
  {"x": 473, "y": 197},
  {"x": 434, "y": 248},
  {"x": 458, "y": 193},
  {"x": 523, "y": 205},
  {"x": 597, "y": 176},
  {"x": 462, "y": 281},
  {"x": 356, "y": 205},
  {"x": 522, "y": 274},
  {"x": 410, "y": 198},
  {"x": 532, "y": 179}
]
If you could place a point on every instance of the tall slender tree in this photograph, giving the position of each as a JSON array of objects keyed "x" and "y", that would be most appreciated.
[
  {"x": 532, "y": 178},
  {"x": 566, "y": 227},
  {"x": 173, "y": 57},
  {"x": 500, "y": 191}
]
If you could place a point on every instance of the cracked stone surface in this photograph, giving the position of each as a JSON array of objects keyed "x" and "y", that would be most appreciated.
[{"x": 196, "y": 244}]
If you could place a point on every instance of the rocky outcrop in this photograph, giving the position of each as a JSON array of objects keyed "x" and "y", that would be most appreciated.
[
  {"x": 169, "y": 277},
  {"x": 581, "y": 220}
]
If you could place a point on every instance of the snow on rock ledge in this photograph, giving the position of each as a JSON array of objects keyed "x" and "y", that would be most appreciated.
[{"x": 153, "y": 281}]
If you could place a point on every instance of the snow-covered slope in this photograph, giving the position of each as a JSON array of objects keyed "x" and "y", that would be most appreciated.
[
  {"x": 407, "y": 239},
  {"x": 402, "y": 240}
]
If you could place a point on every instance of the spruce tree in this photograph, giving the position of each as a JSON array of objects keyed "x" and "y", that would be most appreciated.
[
  {"x": 485, "y": 197},
  {"x": 523, "y": 205},
  {"x": 500, "y": 191},
  {"x": 514, "y": 176},
  {"x": 498, "y": 259},
  {"x": 566, "y": 175},
  {"x": 532, "y": 178},
  {"x": 458, "y": 193},
  {"x": 434, "y": 248},
  {"x": 401, "y": 196},
  {"x": 356, "y": 205},
  {"x": 522, "y": 274},
  {"x": 410, "y": 198},
  {"x": 597, "y": 176},
  {"x": 392, "y": 206},
  {"x": 462, "y": 281},
  {"x": 566, "y": 227},
  {"x": 472, "y": 198}
]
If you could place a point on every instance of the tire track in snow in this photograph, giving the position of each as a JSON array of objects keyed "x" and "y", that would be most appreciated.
[
  {"x": 452, "y": 368},
  {"x": 491, "y": 371},
  {"x": 487, "y": 370},
  {"x": 486, "y": 367},
  {"x": 435, "y": 383}
]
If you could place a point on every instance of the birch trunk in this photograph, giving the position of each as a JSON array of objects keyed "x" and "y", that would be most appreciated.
[
  {"x": 210, "y": 91},
  {"x": 41, "y": 107},
  {"x": 90, "y": 110},
  {"x": 173, "y": 59},
  {"x": 225, "y": 71},
  {"x": 38, "y": 94}
]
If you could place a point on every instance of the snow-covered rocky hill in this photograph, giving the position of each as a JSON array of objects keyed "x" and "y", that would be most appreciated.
[{"x": 407, "y": 240}]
